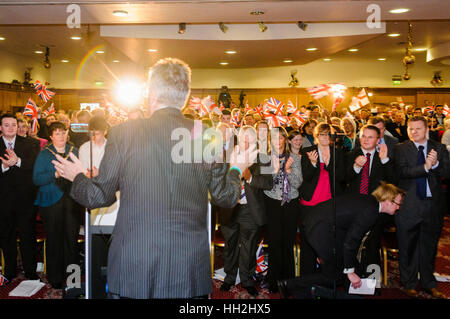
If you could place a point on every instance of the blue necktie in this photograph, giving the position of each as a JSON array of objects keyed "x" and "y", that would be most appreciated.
[{"x": 421, "y": 182}]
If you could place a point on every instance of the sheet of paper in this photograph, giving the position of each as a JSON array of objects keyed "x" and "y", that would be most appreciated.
[
  {"x": 219, "y": 274},
  {"x": 367, "y": 287},
  {"x": 442, "y": 278},
  {"x": 27, "y": 288}
]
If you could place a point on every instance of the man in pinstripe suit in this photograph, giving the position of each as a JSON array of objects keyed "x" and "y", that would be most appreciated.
[{"x": 160, "y": 241}]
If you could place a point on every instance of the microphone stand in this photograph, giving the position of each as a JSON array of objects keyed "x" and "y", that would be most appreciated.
[
  {"x": 333, "y": 137},
  {"x": 87, "y": 233}
]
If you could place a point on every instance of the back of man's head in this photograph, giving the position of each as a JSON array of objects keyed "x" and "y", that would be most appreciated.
[{"x": 169, "y": 82}]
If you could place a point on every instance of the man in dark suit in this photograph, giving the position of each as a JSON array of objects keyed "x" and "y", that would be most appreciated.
[
  {"x": 420, "y": 164},
  {"x": 366, "y": 167},
  {"x": 390, "y": 141},
  {"x": 159, "y": 246},
  {"x": 241, "y": 233},
  {"x": 17, "y": 194},
  {"x": 355, "y": 215}
]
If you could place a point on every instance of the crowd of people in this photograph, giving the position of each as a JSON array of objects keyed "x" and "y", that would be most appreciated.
[{"x": 292, "y": 177}]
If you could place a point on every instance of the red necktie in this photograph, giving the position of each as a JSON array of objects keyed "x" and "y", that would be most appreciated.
[{"x": 364, "y": 188}]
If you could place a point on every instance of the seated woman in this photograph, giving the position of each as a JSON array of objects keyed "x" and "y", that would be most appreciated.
[{"x": 59, "y": 212}]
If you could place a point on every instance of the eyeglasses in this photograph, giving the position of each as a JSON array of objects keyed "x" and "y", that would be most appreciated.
[
  {"x": 398, "y": 204},
  {"x": 324, "y": 134}
]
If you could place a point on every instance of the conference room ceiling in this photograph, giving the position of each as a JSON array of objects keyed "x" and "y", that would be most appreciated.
[{"x": 30, "y": 26}]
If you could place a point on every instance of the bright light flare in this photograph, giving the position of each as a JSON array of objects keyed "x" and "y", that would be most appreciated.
[{"x": 129, "y": 92}]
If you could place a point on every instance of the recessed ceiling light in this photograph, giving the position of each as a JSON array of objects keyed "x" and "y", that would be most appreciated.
[
  {"x": 120, "y": 13},
  {"x": 230, "y": 52},
  {"x": 419, "y": 49},
  {"x": 116, "y": 61},
  {"x": 311, "y": 49},
  {"x": 100, "y": 52},
  {"x": 327, "y": 59},
  {"x": 399, "y": 10},
  {"x": 381, "y": 59},
  {"x": 370, "y": 94},
  {"x": 287, "y": 61},
  {"x": 352, "y": 50},
  {"x": 2, "y": 38},
  {"x": 224, "y": 63},
  {"x": 75, "y": 37},
  {"x": 65, "y": 61},
  {"x": 393, "y": 35},
  {"x": 152, "y": 50},
  {"x": 38, "y": 52}
]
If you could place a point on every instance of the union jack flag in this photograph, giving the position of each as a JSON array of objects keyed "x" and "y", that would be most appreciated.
[
  {"x": 42, "y": 91},
  {"x": 291, "y": 108},
  {"x": 338, "y": 94},
  {"x": 274, "y": 106},
  {"x": 235, "y": 120},
  {"x": 247, "y": 107},
  {"x": 261, "y": 263},
  {"x": 260, "y": 110},
  {"x": 31, "y": 109},
  {"x": 446, "y": 110},
  {"x": 196, "y": 104},
  {"x": 276, "y": 120},
  {"x": 210, "y": 105},
  {"x": 49, "y": 110},
  {"x": 300, "y": 117},
  {"x": 319, "y": 91},
  {"x": 3, "y": 280}
]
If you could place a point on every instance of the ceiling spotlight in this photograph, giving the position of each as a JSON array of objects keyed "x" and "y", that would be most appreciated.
[
  {"x": 230, "y": 52},
  {"x": 311, "y": 49},
  {"x": 420, "y": 49},
  {"x": 65, "y": 61},
  {"x": 116, "y": 61},
  {"x": 352, "y": 50},
  {"x": 381, "y": 59},
  {"x": 120, "y": 13},
  {"x": 400, "y": 10},
  {"x": 327, "y": 59},
  {"x": 152, "y": 50},
  {"x": 100, "y": 52},
  {"x": 38, "y": 52},
  {"x": 224, "y": 63},
  {"x": 223, "y": 27},
  {"x": 302, "y": 25},
  {"x": 262, "y": 26},
  {"x": 181, "y": 28},
  {"x": 75, "y": 37},
  {"x": 393, "y": 35},
  {"x": 287, "y": 61},
  {"x": 2, "y": 38}
]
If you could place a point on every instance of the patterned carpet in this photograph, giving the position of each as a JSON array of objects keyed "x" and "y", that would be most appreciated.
[{"x": 392, "y": 291}]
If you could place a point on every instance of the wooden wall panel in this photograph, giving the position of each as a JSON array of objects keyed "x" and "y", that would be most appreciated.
[{"x": 11, "y": 97}]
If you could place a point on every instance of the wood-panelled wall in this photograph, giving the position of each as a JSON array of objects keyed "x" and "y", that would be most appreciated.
[{"x": 14, "y": 98}]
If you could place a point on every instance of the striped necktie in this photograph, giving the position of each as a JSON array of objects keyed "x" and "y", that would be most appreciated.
[{"x": 364, "y": 188}]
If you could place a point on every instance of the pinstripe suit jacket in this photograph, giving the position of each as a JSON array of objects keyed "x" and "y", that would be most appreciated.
[{"x": 159, "y": 245}]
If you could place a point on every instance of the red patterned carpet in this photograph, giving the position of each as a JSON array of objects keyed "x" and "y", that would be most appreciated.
[{"x": 392, "y": 291}]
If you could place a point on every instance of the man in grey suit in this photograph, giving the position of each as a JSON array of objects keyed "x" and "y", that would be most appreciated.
[
  {"x": 420, "y": 164},
  {"x": 159, "y": 244}
]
